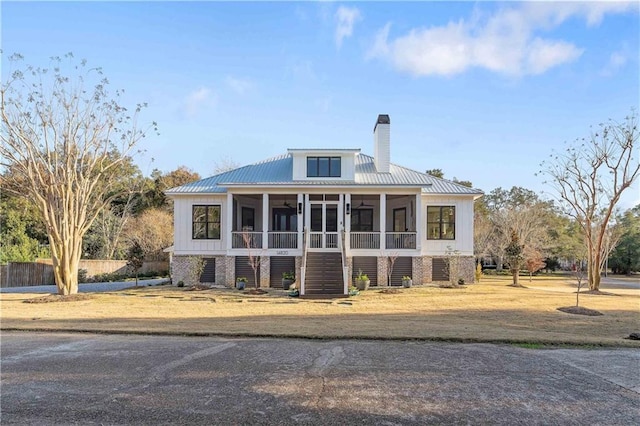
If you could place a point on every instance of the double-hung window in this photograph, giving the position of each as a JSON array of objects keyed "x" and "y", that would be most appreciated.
[
  {"x": 206, "y": 222},
  {"x": 441, "y": 222}
]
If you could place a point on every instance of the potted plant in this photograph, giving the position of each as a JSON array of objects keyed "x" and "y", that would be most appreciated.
[
  {"x": 362, "y": 281},
  {"x": 241, "y": 283},
  {"x": 288, "y": 278},
  {"x": 407, "y": 281}
]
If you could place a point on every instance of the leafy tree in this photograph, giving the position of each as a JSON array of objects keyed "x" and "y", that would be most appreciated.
[
  {"x": 466, "y": 183},
  {"x": 135, "y": 259},
  {"x": 154, "y": 196},
  {"x": 104, "y": 239},
  {"x": 22, "y": 237},
  {"x": 534, "y": 261},
  {"x": 65, "y": 137},
  {"x": 514, "y": 253},
  {"x": 435, "y": 173},
  {"x": 516, "y": 210},
  {"x": 589, "y": 177},
  {"x": 625, "y": 258},
  {"x": 15, "y": 244},
  {"x": 440, "y": 174}
]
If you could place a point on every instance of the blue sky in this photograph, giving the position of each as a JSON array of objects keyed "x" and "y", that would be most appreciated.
[{"x": 481, "y": 90}]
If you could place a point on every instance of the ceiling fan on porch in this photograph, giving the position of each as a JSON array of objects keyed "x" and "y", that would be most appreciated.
[
  {"x": 288, "y": 205},
  {"x": 362, "y": 204}
]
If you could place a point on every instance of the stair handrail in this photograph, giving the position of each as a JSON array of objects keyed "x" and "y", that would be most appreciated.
[
  {"x": 303, "y": 268},
  {"x": 345, "y": 269}
]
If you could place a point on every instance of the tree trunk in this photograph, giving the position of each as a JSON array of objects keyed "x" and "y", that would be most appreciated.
[
  {"x": 66, "y": 259},
  {"x": 594, "y": 271},
  {"x": 516, "y": 277}
]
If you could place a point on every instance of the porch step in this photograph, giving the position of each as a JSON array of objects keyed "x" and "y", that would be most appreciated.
[{"x": 323, "y": 274}]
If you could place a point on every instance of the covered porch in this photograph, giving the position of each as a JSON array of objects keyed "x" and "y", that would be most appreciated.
[
  {"x": 369, "y": 221},
  {"x": 382, "y": 222},
  {"x": 265, "y": 221}
]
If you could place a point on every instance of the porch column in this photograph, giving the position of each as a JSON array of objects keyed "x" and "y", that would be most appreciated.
[
  {"x": 265, "y": 221},
  {"x": 420, "y": 221},
  {"x": 299, "y": 221},
  {"x": 307, "y": 209},
  {"x": 347, "y": 223},
  {"x": 383, "y": 221},
  {"x": 228, "y": 224}
]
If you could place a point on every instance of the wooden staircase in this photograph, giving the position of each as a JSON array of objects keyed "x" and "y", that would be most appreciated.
[{"x": 323, "y": 275}]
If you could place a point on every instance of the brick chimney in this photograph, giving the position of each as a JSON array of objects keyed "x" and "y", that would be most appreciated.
[{"x": 382, "y": 143}]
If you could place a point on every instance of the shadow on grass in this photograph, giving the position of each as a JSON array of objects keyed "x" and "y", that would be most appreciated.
[{"x": 491, "y": 326}]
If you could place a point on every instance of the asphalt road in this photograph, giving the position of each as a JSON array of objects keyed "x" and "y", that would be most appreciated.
[{"x": 116, "y": 379}]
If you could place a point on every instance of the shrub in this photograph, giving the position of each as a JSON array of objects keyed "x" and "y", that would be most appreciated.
[
  {"x": 461, "y": 281},
  {"x": 288, "y": 275},
  {"x": 82, "y": 276},
  {"x": 110, "y": 277},
  {"x": 478, "y": 273}
]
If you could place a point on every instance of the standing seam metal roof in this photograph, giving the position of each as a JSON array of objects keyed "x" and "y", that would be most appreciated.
[{"x": 278, "y": 171}]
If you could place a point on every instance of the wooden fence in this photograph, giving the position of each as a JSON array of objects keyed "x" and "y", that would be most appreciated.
[{"x": 40, "y": 272}]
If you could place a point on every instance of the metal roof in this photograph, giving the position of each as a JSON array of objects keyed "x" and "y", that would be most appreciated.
[{"x": 278, "y": 171}]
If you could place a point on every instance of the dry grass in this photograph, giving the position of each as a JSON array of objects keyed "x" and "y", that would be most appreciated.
[{"x": 490, "y": 311}]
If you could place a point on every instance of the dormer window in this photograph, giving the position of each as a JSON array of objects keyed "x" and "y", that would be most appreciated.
[{"x": 324, "y": 167}]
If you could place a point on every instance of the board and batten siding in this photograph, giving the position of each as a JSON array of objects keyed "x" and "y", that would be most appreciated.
[
  {"x": 184, "y": 244},
  {"x": 464, "y": 226}
]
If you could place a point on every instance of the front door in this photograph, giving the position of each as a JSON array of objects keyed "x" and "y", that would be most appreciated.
[{"x": 324, "y": 225}]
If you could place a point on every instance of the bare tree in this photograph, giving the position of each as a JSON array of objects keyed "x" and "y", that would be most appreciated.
[
  {"x": 194, "y": 271},
  {"x": 254, "y": 261},
  {"x": 452, "y": 267},
  {"x": 65, "y": 138},
  {"x": 152, "y": 231},
  {"x": 391, "y": 263},
  {"x": 224, "y": 164},
  {"x": 517, "y": 210},
  {"x": 589, "y": 178},
  {"x": 579, "y": 276}
]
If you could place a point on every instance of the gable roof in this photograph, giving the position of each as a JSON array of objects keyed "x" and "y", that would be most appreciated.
[{"x": 278, "y": 171}]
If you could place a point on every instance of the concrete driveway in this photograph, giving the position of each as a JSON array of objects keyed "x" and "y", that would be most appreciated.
[
  {"x": 117, "y": 379},
  {"x": 85, "y": 287}
]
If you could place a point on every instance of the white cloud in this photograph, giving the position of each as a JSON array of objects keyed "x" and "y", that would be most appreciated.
[
  {"x": 617, "y": 60},
  {"x": 346, "y": 18},
  {"x": 197, "y": 100},
  {"x": 239, "y": 85},
  {"x": 506, "y": 42}
]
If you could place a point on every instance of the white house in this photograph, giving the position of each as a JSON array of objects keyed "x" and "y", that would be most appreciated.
[{"x": 324, "y": 214}]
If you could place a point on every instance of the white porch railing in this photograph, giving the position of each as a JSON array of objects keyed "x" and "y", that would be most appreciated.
[
  {"x": 254, "y": 239},
  {"x": 400, "y": 240},
  {"x": 330, "y": 240},
  {"x": 283, "y": 240},
  {"x": 303, "y": 269},
  {"x": 365, "y": 240}
]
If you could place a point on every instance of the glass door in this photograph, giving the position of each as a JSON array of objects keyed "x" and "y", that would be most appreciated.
[{"x": 324, "y": 225}]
